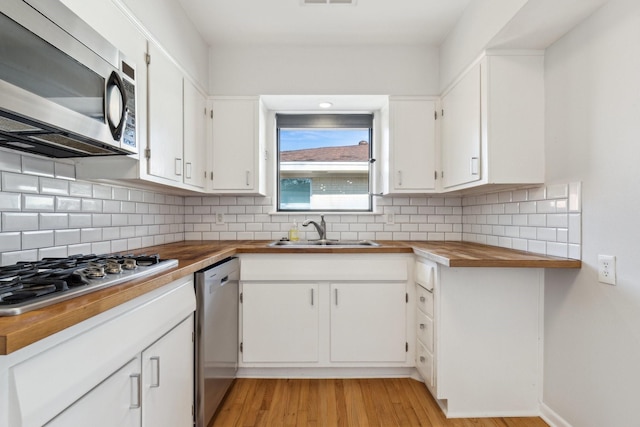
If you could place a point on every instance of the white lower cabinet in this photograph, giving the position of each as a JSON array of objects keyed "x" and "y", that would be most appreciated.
[
  {"x": 280, "y": 322},
  {"x": 368, "y": 322},
  {"x": 296, "y": 312},
  {"x": 128, "y": 366},
  {"x": 167, "y": 380},
  {"x": 114, "y": 402},
  {"x": 479, "y": 334}
]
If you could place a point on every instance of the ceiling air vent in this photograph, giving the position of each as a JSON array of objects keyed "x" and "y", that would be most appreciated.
[{"x": 351, "y": 2}]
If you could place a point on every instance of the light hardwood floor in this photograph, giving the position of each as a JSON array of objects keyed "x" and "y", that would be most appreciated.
[{"x": 342, "y": 402}]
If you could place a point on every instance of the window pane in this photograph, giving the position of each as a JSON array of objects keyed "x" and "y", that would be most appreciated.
[{"x": 324, "y": 169}]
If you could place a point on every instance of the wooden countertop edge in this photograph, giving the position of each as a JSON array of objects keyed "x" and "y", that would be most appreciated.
[{"x": 20, "y": 331}]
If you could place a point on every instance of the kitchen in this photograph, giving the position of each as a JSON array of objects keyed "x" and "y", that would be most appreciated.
[{"x": 590, "y": 343}]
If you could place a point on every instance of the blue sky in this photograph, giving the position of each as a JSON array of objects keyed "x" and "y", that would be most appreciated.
[{"x": 300, "y": 139}]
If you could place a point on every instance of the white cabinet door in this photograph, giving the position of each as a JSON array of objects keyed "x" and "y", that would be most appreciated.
[
  {"x": 168, "y": 378},
  {"x": 461, "y": 131},
  {"x": 236, "y": 146},
  {"x": 280, "y": 322},
  {"x": 114, "y": 402},
  {"x": 412, "y": 145},
  {"x": 165, "y": 116},
  {"x": 368, "y": 322},
  {"x": 195, "y": 138}
]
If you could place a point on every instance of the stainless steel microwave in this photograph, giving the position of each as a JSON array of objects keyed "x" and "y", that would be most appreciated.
[{"x": 65, "y": 91}]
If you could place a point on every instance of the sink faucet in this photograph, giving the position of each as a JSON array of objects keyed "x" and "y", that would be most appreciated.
[{"x": 321, "y": 228}]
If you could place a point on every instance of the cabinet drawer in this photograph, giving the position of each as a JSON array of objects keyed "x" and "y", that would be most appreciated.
[
  {"x": 424, "y": 365},
  {"x": 424, "y": 275},
  {"x": 425, "y": 330},
  {"x": 424, "y": 300}
]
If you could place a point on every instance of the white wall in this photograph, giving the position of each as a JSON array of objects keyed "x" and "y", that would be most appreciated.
[
  {"x": 169, "y": 25},
  {"x": 592, "y": 330},
  {"x": 480, "y": 22},
  {"x": 327, "y": 70}
]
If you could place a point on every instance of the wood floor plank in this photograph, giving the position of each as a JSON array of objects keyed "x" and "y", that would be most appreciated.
[{"x": 387, "y": 402}]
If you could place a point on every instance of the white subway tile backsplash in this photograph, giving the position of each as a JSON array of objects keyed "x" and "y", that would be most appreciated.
[
  {"x": 19, "y": 183},
  {"x": 10, "y": 242},
  {"x": 32, "y": 202},
  {"x": 10, "y": 162},
  {"x": 53, "y": 221},
  {"x": 68, "y": 204},
  {"x": 90, "y": 235},
  {"x": 10, "y": 202},
  {"x": 117, "y": 218},
  {"x": 37, "y": 239},
  {"x": 8, "y": 258},
  {"x": 19, "y": 221},
  {"x": 64, "y": 171},
  {"x": 80, "y": 220},
  {"x": 557, "y": 191},
  {"x": 53, "y": 252},
  {"x": 54, "y": 186},
  {"x": 67, "y": 237},
  {"x": 80, "y": 189},
  {"x": 38, "y": 166}
]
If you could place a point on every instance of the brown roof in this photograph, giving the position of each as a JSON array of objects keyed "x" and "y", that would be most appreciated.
[{"x": 348, "y": 153}]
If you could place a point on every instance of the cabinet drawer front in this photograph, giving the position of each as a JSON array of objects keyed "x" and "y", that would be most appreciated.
[
  {"x": 424, "y": 300},
  {"x": 425, "y": 330},
  {"x": 424, "y": 275},
  {"x": 424, "y": 365}
]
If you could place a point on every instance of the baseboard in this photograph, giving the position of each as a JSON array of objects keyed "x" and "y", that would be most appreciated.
[
  {"x": 326, "y": 373},
  {"x": 551, "y": 417}
]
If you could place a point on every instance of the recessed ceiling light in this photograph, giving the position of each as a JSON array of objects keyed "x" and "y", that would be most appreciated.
[{"x": 325, "y": 105}]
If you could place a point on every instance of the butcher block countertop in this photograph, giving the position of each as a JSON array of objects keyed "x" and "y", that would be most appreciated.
[{"x": 19, "y": 331}]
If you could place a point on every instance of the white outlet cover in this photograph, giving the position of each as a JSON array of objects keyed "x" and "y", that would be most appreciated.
[{"x": 607, "y": 269}]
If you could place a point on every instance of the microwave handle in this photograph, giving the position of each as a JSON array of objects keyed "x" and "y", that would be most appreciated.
[{"x": 115, "y": 126}]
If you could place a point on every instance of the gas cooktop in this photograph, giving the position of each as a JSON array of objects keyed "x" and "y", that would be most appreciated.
[{"x": 26, "y": 286}]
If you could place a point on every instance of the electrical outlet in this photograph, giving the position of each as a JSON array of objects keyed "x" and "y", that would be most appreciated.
[
  {"x": 219, "y": 218},
  {"x": 391, "y": 219},
  {"x": 607, "y": 269}
]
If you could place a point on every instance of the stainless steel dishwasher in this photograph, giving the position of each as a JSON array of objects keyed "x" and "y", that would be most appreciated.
[{"x": 216, "y": 343}]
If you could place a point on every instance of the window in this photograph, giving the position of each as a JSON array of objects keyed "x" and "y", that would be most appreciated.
[{"x": 324, "y": 162}]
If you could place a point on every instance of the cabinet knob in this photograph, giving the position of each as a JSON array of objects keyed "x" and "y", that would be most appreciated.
[
  {"x": 422, "y": 299},
  {"x": 422, "y": 359},
  {"x": 421, "y": 325}
]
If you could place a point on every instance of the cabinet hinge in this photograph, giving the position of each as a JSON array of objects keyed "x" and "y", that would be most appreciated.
[
  {"x": 211, "y": 114},
  {"x": 241, "y": 297},
  {"x": 241, "y": 347},
  {"x": 435, "y": 175},
  {"x": 147, "y": 153},
  {"x": 147, "y": 58},
  {"x": 205, "y": 111},
  {"x": 442, "y": 113},
  {"x": 406, "y": 347},
  {"x": 406, "y": 297},
  {"x": 435, "y": 115}
]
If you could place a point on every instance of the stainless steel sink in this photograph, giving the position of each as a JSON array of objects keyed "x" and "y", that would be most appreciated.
[{"x": 322, "y": 243}]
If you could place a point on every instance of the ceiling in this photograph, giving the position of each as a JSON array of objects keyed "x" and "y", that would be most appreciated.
[{"x": 231, "y": 22}]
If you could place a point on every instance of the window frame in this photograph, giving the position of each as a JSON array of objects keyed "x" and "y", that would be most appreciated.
[{"x": 326, "y": 121}]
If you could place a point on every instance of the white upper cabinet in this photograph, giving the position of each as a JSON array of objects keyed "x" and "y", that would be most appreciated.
[
  {"x": 493, "y": 122},
  {"x": 238, "y": 155},
  {"x": 409, "y": 146},
  {"x": 195, "y": 136},
  {"x": 461, "y": 131},
  {"x": 165, "y": 116}
]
